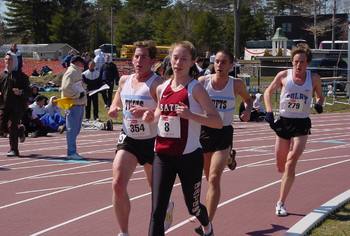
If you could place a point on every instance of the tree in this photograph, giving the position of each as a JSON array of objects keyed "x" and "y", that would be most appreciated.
[
  {"x": 69, "y": 24},
  {"x": 27, "y": 20}
]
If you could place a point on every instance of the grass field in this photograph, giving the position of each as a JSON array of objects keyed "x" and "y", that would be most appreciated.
[{"x": 337, "y": 224}]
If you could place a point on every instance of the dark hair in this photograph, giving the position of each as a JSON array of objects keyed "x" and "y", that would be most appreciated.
[
  {"x": 227, "y": 53},
  {"x": 302, "y": 49},
  {"x": 77, "y": 59},
  {"x": 150, "y": 45},
  {"x": 40, "y": 98}
]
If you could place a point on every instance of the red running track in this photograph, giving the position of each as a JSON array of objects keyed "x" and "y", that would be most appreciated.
[{"x": 42, "y": 194}]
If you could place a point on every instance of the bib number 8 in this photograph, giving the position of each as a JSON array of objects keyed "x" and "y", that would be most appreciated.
[{"x": 166, "y": 126}]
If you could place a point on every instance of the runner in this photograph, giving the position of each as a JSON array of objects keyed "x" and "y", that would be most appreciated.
[
  {"x": 217, "y": 143},
  {"x": 293, "y": 127},
  {"x": 136, "y": 94},
  {"x": 178, "y": 151}
]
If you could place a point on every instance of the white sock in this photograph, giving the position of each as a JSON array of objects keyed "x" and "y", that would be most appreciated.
[
  {"x": 208, "y": 229},
  {"x": 279, "y": 203},
  {"x": 123, "y": 234}
]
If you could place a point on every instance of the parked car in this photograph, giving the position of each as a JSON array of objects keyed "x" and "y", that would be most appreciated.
[{"x": 330, "y": 67}]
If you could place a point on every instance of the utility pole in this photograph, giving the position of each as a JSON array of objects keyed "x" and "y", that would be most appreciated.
[
  {"x": 333, "y": 20},
  {"x": 315, "y": 23},
  {"x": 112, "y": 33}
]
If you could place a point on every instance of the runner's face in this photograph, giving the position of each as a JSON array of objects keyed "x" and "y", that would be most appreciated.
[
  {"x": 141, "y": 61},
  {"x": 300, "y": 64},
  {"x": 181, "y": 61},
  {"x": 222, "y": 64}
]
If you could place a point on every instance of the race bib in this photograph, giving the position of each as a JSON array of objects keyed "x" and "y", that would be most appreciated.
[
  {"x": 136, "y": 128},
  {"x": 169, "y": 127},
  {"x": 295, "y": 105}
]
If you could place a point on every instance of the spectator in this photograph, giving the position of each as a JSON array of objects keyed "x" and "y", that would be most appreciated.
[
  {"x": 99, "y": 59},
  {"x": 35, "y": 72},
  {"x": 36, "y": 127},
  {"x": 14, "y": 91},
  {"x": 67, "y": 59},
  {"x": 17, "y": 58},
  {"x": 92, "y": 79},
  {"x": 109, "y": 75},
  {"x": 87, "y": 58},
  {"x": 34, "y": 93},
  {"x": 53, "y": 118},
  {"x": 72, "y": 87}
]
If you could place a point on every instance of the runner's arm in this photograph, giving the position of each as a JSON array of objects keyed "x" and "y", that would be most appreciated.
[
  {"x": 117, "y": 102},
  {"x": 241, "y": 90},
  {"x": 275, "y": 84}
]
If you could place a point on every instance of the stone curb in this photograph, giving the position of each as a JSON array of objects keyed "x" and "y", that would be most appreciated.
[{"x": 310, "y": 221}]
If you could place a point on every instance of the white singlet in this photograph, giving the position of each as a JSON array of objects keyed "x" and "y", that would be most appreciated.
[
  {"x": 224, "y": 100},
  {"x": 295, "y": 100},
  {"x": 134, "y": 127}
]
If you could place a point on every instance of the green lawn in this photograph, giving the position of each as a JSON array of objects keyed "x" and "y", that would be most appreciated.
[{"x": 337, "y": 224}]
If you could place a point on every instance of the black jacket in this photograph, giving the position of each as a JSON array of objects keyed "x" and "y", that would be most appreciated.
[
  {"x": 8, "y": 99},
  {"x": 109, "y": 73}
]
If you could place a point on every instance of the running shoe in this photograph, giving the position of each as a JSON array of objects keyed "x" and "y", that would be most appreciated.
[
  {"x": 231, "y": 163},
  {"x": 75, "y": 156},
  {"x": 169, "y": 216},
  {"x": 280, "y": 209},
  {"x": 12, "y": 153},
  {"x": 199, "y": 230}
]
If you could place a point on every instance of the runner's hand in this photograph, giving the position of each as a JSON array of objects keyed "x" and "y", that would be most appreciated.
[
  {"x": 148, "y": 116},
  {"x": 137, "y": 111},
  {"x": 318, "y": 107},
  {"x": 245, "y": 116},
  {"x": 183, "y": 111},
  {"x": 269, "y": 118}
]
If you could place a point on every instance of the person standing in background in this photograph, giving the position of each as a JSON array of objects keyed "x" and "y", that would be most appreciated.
[
  {"x": 109, "y": 75},
  {"x": 14, "y": 92},
  {"x": 17, "y": 58},
  {"x": 72, "y": 87}
]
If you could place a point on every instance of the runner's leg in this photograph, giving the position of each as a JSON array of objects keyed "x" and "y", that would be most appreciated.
[
  {"x": 292, "y": 158},
  {"x": 124, "y": 165},
  {"x": 282, "y": 147},
  {"x": 217, "y": 166}
]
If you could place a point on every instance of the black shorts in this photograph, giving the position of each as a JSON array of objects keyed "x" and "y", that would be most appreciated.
[
  {"x": 288, "y": 128},
  {"x": 143, "y": 149},
  {"x": 216, "y": 139}
]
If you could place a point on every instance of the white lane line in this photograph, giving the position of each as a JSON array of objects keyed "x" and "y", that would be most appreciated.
[
  {"x": 105, "y": 208},
  {"x": 43, "y": 190},
  {"x": 84, "y": 216},
  {"x": 40, "y": 166},
  {"x": 79, "y": 173},
  {"x": 49, "y": 194},
  {"x": 254, "y": 191},
  {"x": 76, "y": 173},
  {"x": 176, "y": 185},
  {"x": 47, "y": 173},
  {"x": 18, "y": 163},
  {"x": 304, "y": 160}
]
